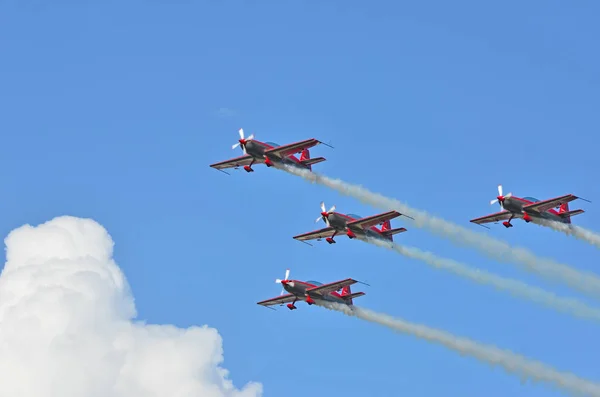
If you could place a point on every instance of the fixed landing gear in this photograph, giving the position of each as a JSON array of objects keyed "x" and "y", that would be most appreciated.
[
  {"x": 507, "y": 224},
  {"x": 291, "y": 306},
  {"x": 248, "y": 168},
  {"x": 330, "y": 240}
]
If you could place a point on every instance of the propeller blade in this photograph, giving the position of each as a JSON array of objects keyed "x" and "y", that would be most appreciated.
[
  {"x": 331, "y": 209},
  {"x": 322, "y": 206},
  {"x": 250, "y": 137},
  {"x": 493, "y": 201},
  {"x": 287, "y": 274},
  {"x": 318, "y": 219},
  {"x": 499, "y": 190},
  {"x": 241, "y": 131},
  {"x": 277, "y": 281},
  {"x": 235, "y": 145},
  {"x": 508, "y": 195}
]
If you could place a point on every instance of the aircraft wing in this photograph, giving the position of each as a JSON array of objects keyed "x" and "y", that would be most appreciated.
[
  {"x": 236, "y": 162},
  {"x": 280, "y": 300},
  {"x": 327, "y": 288},
  {"x": 292, "y": 148},
  {"x": 542, "y": 206},
  {"x": 369, "y": 221},
  {"x": 325, "y": 232},
  {"x": 498, "y": 216}
]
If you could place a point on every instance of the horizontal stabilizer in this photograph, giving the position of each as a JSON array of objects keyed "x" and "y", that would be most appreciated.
[
  {"x": 391, "y": 232},
  {"x": 312, "y": 161},
  {"x": 351, "y": 296},
  {"x": 570, "y": 213}
]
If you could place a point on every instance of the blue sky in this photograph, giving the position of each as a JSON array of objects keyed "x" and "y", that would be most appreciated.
[{"x": 113, "y": 110}]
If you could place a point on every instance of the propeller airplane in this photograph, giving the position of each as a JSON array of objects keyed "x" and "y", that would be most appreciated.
[
  {"x": 270, "y": 154},
  {"x": 529, "y": 208},
  {"x": 353, "y": 226},
  {"x": 313, "y": 292}
]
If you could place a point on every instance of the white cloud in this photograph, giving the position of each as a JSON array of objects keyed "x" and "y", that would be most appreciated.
[{"x": 66, "y": 326}]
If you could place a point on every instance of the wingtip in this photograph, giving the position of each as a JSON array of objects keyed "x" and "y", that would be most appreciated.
[{"x": 324, "y": 143}]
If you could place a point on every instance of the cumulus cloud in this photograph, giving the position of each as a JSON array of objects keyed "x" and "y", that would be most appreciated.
[{"x": 67, "y": 329}]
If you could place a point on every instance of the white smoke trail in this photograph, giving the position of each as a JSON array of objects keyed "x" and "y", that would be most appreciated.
[
  {"x": 571, "y": 230},
  {"x": 511, "y": 362},
  {"x": 585, "y": 282},
  {"x": 514, "y": 287}
]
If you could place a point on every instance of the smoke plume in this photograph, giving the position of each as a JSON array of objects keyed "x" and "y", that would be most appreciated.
[
  {"x": 571, "y": 230},
  {"x": 511, "y": 362},
  {"x": 514, "y": 287}
]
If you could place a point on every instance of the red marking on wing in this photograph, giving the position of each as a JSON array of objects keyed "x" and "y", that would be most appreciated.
[
  {"x": 498, "y": 216},
  {"x": 327, "y": 288},
  {"x": 292, "y": 148},
  {"x": 277, "y": 300},
  {"x": 545, "y": 205},
  {"x": 236, "y": 162},
  {"x": 373, "y": 220},
  {"x": 325, "y": 232}
]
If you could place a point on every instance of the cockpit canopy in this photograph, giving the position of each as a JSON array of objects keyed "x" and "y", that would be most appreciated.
[
  {"x": 355, "y": 216},
  {"x": 532, "y": 199},
  {"x": 273, "y": 144},
  {"x": 314, "y": 282}
]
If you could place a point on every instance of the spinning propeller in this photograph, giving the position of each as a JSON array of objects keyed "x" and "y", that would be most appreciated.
[
  {"x": 500, "y": 198},
  {"x": 325, "y": 214},
  {"x": 242, "y": 141},
  {"x": 285, "y": 281}
]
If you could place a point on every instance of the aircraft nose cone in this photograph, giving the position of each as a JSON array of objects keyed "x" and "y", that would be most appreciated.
[
  {"x": 500, "y": 198},
  {"x": 325, "y": 214}
]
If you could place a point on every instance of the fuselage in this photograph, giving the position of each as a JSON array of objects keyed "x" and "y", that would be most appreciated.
[
  {"x": 516, "y": 204},
  {"x": 339, "y": 222},
  {"x": 299, "y": 288},
  {"x": 257, "y": 150}
]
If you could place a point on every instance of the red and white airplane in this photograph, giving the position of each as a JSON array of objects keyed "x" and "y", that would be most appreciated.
[
  {"x": 353, "y": 226},
  {"x": 270, "y": 154},
  {"x": 530, "y": 208},
  {"x": 313, "y": 292}
]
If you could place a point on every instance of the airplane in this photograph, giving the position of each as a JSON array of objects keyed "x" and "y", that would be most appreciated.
[
  {"x": 270, "y": 154},
  {"x": 530, "y": 208},
  {"x": 313, "y": 292},
  {"x": 353, "y": 226}
]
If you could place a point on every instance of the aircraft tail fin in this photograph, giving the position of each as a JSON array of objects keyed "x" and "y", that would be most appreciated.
[
  {"x": 387, "y": 225},
  {"x": 390, "y": 232},
  {"x": 347, "y": 294},
  {"x": 305, "y": 158},
  {"x": 387, "y": 231},
  {"x": 309, "y": 162},
  {"x": 305, "y": 155},
  {"x": 564, "y": 212},
  {"x": 564, "y": 209}
]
